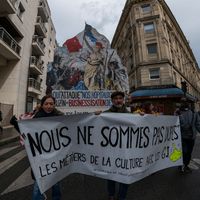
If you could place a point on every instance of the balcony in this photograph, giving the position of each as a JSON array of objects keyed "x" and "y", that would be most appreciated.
[
  {"x": 43, "y": 11},
  {"x": 38, "y": 45},
  {"x": 10, "y": 49},
  {"x": 7, "y": 6},
  {"x": 34, "y": 86},
  {"x": 40, "y": 27},
  {"x": 36, "y": 66}
]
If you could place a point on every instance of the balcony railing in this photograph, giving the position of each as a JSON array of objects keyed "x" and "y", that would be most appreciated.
[
  {"x": 39, "y": 21},
  {"x": 7, "y": 38},
  {"x": 8, "y": 6},
  {"x": 37, "y": 63},
  {"x": 39, "y": 41},
  {"x": 34, "y": 84},
  {"x": 43, "y": 10}
]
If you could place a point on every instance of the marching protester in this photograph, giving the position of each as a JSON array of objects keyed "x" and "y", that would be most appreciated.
[
  {"x": 118, "y": 106},
  {"x": 1, "y": 119},
  {"x": 139, "y": 109},
  {"x": 46, "y": 109},
  {"x": 189, "y": 124},
  {"x": 146, "y": 108}
]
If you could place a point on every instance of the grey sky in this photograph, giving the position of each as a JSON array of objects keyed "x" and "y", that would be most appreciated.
[{"x": 69, "y": 18}]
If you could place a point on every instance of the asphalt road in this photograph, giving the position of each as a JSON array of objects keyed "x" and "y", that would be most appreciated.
[{"x": 168, "y": 184}]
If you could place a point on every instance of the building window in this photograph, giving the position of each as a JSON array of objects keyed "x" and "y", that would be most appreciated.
[
  {"x": 175, "y": 78},
  {"x": 152, "y": 48},
  {"x": 20, "y": 11},
  {"x": 149, "y": 27},
  {"x": 132, "y": 66},
  {"x": 154, "y": 73},
  {"x": 146, "y": 8}
]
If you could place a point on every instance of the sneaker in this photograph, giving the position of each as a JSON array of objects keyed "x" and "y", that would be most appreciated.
[
  {"x": 188, "y": 170},
  {"x": 184, "y": 169},
  {"x": 181, "y": 169}
]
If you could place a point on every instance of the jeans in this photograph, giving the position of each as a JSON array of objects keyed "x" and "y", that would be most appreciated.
[
  {"x": 187, "y": 146},
  {"x": 122, "y": 192},
  {"x": 56, "y": 194}
]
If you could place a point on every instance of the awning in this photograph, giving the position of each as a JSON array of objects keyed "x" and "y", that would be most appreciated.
[{"x": 160, "y": 93}]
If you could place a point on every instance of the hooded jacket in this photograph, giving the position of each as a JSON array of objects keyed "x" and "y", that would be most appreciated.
[{"x": 189, "y": 119}]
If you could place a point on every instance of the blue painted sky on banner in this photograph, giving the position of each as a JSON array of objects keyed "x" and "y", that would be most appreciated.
[{"x": 69, "y": 18}]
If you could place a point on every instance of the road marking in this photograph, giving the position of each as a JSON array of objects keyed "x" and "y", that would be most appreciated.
[
  {"x": 11, "y": 161},
  {"x": 22, "y": 181},
  {"x": 193, "y": 165},
  {"x": 6, "y": 150},
  {"x": 196, "y": 160}
]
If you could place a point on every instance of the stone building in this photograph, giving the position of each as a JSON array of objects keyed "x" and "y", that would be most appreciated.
[
  {"x": 27, "y": 43},
  {"x": 161, "y": 65}
]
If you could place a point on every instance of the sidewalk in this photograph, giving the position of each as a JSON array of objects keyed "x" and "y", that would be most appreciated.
[{"x": 9, "y": 135}]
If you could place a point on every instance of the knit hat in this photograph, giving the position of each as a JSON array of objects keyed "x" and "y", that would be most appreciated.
[{"x": 117, "y": 93}]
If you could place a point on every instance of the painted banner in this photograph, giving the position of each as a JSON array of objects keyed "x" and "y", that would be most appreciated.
[
  {"x": 122, "y": 147},
  {"x": 78, "y": 101},
  {"x": 86, "y": 62}
]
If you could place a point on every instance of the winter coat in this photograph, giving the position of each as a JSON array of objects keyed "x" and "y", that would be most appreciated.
[
  {"x": 189, "y": 124},
  {"x": 42, "y": 113},
  {"x": 115, "y": 109}
]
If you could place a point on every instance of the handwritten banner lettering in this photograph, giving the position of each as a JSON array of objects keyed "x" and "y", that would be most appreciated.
[{"x": 120, "y": 147}]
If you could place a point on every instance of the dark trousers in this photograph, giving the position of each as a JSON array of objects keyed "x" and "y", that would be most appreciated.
[
  {"x": 187, "y": 147},
  {"x": 1, "y": 129},
  {"x": 123, "y": 188}
]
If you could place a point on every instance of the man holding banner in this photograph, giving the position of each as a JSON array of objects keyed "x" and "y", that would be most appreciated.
[{"x": 118, "y": 106}]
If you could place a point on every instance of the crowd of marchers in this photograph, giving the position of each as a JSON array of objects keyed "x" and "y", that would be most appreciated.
[{"x": 189, "y": 127}]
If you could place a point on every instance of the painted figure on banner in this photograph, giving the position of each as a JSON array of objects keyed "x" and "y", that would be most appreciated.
[
  {"x": 94, "y": 69},
  {"x": 88, "y": 58},
  {"x": 85, "y": 65}
]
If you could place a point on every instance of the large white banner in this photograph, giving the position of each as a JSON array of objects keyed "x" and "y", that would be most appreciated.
[{"x": 120, "y": 147}]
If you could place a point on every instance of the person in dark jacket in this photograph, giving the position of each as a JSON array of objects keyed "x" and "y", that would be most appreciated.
[
  {"x": 1, "y": 119},
  {"x": 118, "y": 106},
  {"x": 47, "y": 109},
  {"x": 190, "y": 125}
]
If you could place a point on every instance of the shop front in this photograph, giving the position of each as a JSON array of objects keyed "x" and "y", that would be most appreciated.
[{"x": 166, "y": 100}]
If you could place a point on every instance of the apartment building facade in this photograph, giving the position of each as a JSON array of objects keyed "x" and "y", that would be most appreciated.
[
  {"x": 160, "y": 62},
  {"x": 27, "y": 43}
]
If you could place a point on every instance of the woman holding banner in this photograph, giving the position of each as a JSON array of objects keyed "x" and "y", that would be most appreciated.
[{"x": 47, "y": 109}]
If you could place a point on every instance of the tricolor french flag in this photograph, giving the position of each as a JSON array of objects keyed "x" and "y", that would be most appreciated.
[{"x": 73, "y": 44}]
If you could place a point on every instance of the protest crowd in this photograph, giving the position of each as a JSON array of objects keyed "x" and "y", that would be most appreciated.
[{"x": 189, "y": 127}]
